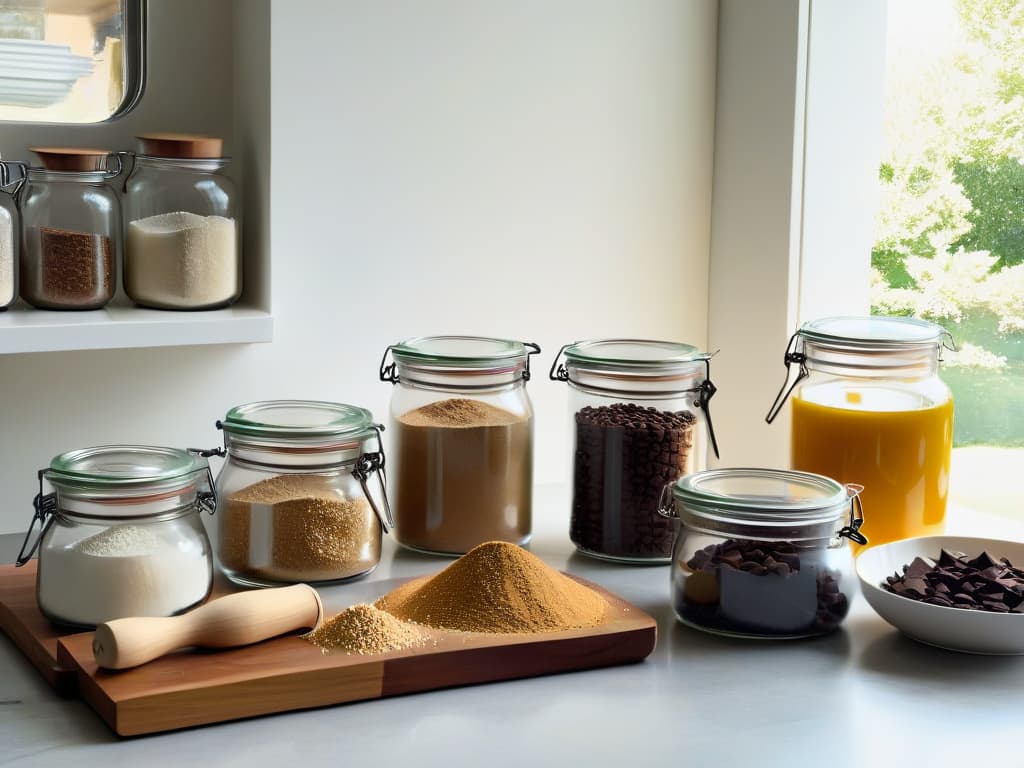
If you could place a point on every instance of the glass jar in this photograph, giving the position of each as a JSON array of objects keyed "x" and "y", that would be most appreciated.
[
  {"x": 463, "y": 441},
  {"x": 869, "y": 406},
  {"x": 10, "y": 233},
  {"x": 640, "y": 420},
  {"x": 121, "y": 535},
  {"x": 71, "y": 230},
  {"x": 294, "y": 505},
  {"x": 183, "y": 238},
  {"x": 760, "y": 552}
]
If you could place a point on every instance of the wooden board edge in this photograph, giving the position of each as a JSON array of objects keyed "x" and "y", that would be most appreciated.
[
  {"x": 267, "y": 695},
  {"x": 61, "y": 677},
  {"x": 90, "y": 692},
  {"x": 509, "y": 662}
]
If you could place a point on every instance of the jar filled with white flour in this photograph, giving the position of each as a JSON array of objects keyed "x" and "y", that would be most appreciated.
[
  {"x": 183, "y": 236},
  {"x": 121, "y": 534}
]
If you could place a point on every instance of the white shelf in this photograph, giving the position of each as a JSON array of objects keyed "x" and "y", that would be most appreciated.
[{"x": 120, "y": 326}]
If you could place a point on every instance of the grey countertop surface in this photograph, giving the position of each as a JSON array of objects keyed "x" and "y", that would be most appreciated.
[{"x": 863, "y": 696}]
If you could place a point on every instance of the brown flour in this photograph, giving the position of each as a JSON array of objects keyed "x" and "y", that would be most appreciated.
[
  {"x": 464, "y": 476},
  {"x": 497, "y": 587},
  {"x": 297, "y": 528},
  {"x": 366, "y": 630}
]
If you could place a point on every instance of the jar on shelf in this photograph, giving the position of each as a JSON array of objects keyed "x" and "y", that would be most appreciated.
[
  {"x": 182, "y": 238},
  {"x": 294, "y": 501},
  {"x": 463, "y": 441},
  {"x": 70, "y": 229},
  {"x": 10, "y": 230},
  {"x": 120, "y": 534},
  {"x": 640, "y": 419},
  {"x": 762, "y": 552},
  {"x": 869, "y": 407}
]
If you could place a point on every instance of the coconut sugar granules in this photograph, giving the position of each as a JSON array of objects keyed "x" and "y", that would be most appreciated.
[
  {"x": 499, "y": 588},
  {"x": 366, "y": 630},
  {"x": 297, "y": 527}
]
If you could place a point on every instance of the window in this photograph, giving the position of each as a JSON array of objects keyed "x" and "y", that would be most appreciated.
[
  {"x": 949, "y": 239},
  {"x": 70, "y": 61}
]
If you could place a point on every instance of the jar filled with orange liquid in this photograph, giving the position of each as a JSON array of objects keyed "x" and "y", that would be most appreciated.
[{"x": 869, "y": 407}]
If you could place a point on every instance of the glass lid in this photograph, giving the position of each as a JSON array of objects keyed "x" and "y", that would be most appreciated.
[
  {"x": 764, "y": 495},
  {"x": 459, "y": 351},
  {"x": 879, "y": 331},
  {"x": 298, "y": 420},
  {"x": 640, "y": 354},
  {"x": 124, "y": 466}
]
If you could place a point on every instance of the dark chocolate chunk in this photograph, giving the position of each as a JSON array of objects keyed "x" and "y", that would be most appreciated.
[{"x": 980, "y": 584}]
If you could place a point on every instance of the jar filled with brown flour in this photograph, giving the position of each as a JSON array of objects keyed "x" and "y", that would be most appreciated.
[
  {"x": 294, "y": 502},
  {"x": 463, "y": 441}
]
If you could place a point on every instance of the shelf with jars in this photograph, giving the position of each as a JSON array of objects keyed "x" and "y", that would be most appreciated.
[{"x": 116, "y": 249}]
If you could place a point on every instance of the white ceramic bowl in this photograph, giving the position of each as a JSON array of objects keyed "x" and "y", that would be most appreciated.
[{"x": 955, "y": 629}]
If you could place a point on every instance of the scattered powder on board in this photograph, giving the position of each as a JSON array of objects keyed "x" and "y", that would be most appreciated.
[
  {"x": 460, "y": 412},
  {"x": 366, "y": 630},
  {"x": 6, "y": 258},
  {"x": 314, "y": 534},
  {"x": 497, "y": 587},
  {"x": 181, "y": 260}
]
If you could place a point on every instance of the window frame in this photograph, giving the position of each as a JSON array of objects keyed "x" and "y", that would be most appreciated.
[{"x": 798, "y": 129}]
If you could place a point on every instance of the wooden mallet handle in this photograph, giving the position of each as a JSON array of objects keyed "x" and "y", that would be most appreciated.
[{"x": 239, "y": 619}]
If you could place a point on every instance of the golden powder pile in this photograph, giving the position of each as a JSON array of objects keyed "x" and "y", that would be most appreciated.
[
  {"x": 497, "y": 587},
  {"x": 365, "y": 630},
  {"x": 460, "y": 412}
]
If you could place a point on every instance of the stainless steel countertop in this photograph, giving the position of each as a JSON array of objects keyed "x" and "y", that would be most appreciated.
[{"x": 864, "y": 696}]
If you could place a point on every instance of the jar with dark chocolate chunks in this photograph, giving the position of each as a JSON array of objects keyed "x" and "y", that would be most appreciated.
[
  {"x": 763, "y": 553},
  {"x": 640, "y": 420}
]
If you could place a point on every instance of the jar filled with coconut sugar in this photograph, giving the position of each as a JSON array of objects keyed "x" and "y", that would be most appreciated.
[
  {"x": 182, "y": 237},
  {"x": 463, "y": 441},
  {"x": 120, "y": 534},
  {"x": 294, "y": 501}
]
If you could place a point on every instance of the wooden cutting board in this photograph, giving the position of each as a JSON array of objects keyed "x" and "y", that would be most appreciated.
[
  {"x": 28, "y": 629},
  {"x": 34, "y": 635},
  {"x": 198, "y": 688}
]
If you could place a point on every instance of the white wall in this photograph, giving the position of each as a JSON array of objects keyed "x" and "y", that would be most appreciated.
[{"x": 537, "y": 170}]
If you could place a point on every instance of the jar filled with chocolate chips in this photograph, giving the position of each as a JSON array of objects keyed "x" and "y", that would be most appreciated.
[
  {"x": 763, "y": 553},
  {"x": 640, "y": 419}
]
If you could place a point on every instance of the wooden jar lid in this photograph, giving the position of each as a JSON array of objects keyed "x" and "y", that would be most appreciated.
[
  {"x": 72, "y": 158},
  {"x": 180, "y": 145}
]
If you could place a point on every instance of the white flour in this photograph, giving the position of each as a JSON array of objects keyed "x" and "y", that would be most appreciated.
[
  {"x": 6, "y": 258},
  {"x": 126, "y": 570},
  {"x": 181, "y": 260}
]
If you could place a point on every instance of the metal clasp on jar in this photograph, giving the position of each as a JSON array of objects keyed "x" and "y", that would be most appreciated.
[
  {"x": 45, "y": 507},
  {"x": 852, "y": 531},
  {"x": 666, "y": 503},
  {"x": 790, "y": 358},
  {"x": 367, "y": 464}
]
